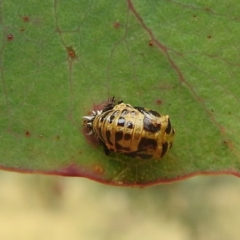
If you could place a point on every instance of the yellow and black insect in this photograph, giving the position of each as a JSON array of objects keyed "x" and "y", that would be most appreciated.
[{"x": 134, "y": 131}]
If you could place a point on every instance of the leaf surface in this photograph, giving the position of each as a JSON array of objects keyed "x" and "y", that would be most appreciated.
[{"x": 61, "y": 59}]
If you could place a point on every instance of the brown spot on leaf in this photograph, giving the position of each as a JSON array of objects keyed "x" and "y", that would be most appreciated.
[
  {"x": 158, "y": 101},
  {"x": 10, "y": 37},
  {"x": 57, "y": 138},
  {"x": 26, "y": 19},
  {"x": 27, "y": 134},
  {"x": 207, "y": 9},
  {"x": 117, "y": 25},
  {"x": 98, "y": 169},
  {"x": 71, "y": 52}
]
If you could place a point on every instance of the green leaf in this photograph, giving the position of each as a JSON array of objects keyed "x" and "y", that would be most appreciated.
[{"x": 59, "y": 60}]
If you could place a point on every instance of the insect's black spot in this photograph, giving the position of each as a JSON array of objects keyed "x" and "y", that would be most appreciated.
[
  {"x": 127, "y": 136},
  {"x": 121, "y": 122},
  {"x": 129, "y": 125},
  {"x": 99, "y": 133},
  {"x": 149, "y": 126},
  {"x": 147, "y": 143},
  {"x": 115, "y": 113},
  {"x": 106, "y": 150},
  {"x": 108, "y": 135},
  {"x": 169, "y": 127},
  {"x": 124, "y": 112},
  {"x": 140, "y": 109},
  {"x": 164, "y": 149},
  {"x": 111, "y": 118},
  {"x": 144, "y": 110},
  {"x": 154, "y": 113},
  {"x": 118, "y": 136},
  {"x": 133, "y": 113},
  {"x": 103, "y": 116}
]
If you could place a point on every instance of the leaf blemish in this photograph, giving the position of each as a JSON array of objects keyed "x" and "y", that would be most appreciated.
[
  {"x": 26, "y": 19},
  {"x": 71, "y": 52},
  {"x": 117, "y": 25},
  {"x": 57, "y": 138},
  {"x": 150, "y": 43},
  {"x": 27, "y": 134},
  {"x": 10, "y": 37}
]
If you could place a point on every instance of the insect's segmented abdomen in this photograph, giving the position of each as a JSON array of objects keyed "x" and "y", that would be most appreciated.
[{"x": 135, "y": 131}]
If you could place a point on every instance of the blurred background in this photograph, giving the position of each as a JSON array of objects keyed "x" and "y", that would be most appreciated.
[{"x": 48, "y": 207}]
